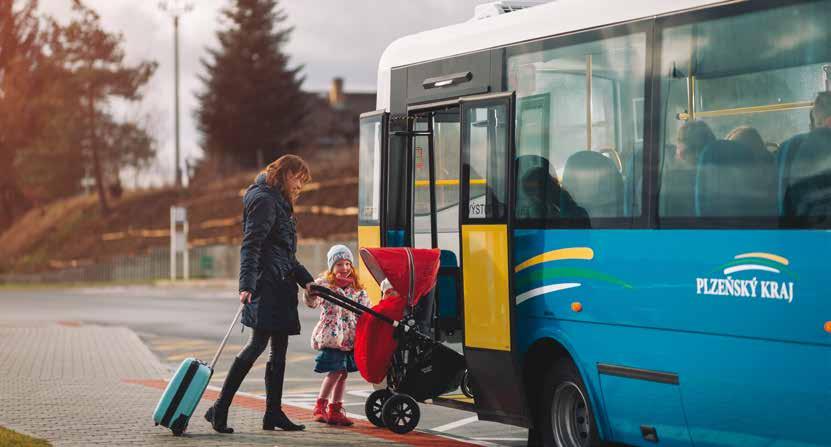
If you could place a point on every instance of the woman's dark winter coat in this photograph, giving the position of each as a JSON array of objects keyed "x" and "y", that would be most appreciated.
[{"x": 268, "y": 265}]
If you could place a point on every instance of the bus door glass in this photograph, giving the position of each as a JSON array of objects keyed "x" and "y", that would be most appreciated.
[
  {"x": 436, "y": 185},
  {"x": 436, "y": 173},
  {"x": 487, "y": 152}
]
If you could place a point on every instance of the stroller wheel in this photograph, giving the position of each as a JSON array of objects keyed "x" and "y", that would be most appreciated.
[
  {"x": 401, "y": 413},
  {"x": 468, "y": 386},
  {"x": 374, "y": 406}
]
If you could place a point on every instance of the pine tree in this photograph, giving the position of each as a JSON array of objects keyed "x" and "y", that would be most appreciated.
[{"x": 251, "y": 107}]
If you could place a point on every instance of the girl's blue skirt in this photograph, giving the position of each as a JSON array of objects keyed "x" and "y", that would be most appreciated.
[{"x": 334, "y": 360}]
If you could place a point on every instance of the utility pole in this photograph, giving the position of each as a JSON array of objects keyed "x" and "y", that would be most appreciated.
[{"x": 176, "y": 8}]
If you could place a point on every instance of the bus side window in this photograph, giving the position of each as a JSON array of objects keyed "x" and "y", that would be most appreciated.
[
  {"x": 734, "y": 104},
  {"x": 596, "y": 147}
]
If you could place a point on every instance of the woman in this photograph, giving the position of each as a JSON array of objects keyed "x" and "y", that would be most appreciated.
[{"x": 269, "y": 276}]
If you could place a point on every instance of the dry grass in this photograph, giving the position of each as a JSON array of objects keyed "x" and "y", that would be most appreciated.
[
  {"x": 73, "y": 231},
  {"x": 38, "y": 222},
  {"x": 10, "y": 438}
]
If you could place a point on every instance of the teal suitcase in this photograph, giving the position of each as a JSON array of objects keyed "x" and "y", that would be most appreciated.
[{"x": 185, "y": 390}]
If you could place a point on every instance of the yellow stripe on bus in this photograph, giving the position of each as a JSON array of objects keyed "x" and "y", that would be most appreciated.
[
  {"x": 450, "y": 182},
  {"x": 584, "y": 253},
  {"x": 772, "y": 257},
  {"x": 368, "y": 236}
]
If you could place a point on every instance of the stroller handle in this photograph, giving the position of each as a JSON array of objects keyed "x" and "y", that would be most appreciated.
[{"x": 348, "y": 304}]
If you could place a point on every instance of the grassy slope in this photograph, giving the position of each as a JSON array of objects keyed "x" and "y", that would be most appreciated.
[
  {"x": 10, "y": 438},
  {"x": 72, "y": 232}
]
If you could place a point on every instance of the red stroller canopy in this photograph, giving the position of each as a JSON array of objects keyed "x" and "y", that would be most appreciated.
[
  {"x": 374, "y": 341},
  {"x": 403, "y": 267}
]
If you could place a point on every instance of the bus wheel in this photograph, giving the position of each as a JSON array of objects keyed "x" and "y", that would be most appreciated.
[
  {"x": 467, "y": 386},
  {"x": 567, "y": 418}
]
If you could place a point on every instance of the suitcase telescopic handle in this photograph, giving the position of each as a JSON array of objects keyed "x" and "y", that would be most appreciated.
[{"x": 227, "y": 334}]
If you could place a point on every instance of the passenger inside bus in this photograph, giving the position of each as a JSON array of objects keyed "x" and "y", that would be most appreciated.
[
  {"x": 540, "y": 195},
  {"x": 747, "y": 136},
  {"x": 805, "y": 167},
  {"x": 678, "y": 183}
]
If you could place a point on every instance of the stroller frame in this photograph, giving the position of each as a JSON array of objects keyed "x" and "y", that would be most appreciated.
[{"x": 421, "y": 368}]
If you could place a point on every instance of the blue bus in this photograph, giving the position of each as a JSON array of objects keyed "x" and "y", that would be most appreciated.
[{"x": 633, "y": 203}]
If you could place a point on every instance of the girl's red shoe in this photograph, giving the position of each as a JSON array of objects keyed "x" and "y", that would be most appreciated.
[
  {"x": 336, "y": 415},
  {"x": 320, "y": 414}
]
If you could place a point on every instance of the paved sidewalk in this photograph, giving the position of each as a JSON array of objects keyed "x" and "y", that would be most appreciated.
[{"x": 92, "y": 385}]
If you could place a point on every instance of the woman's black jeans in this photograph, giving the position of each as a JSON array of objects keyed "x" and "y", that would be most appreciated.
[
  {"x": 274, "y": 371},
  {"x": 259, "y": 341}
]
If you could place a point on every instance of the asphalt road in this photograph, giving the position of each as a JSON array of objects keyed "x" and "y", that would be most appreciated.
[{"x": 179, "y": 322}]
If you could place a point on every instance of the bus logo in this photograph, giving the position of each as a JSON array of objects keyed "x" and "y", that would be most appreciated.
[
  {"x": 550, "y": 277},
  {"x": 740, "y": 278}
]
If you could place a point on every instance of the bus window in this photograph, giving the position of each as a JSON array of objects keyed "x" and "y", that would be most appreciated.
[
  {"x": 736, "y": 94},
  {"x": 369, "y": 182},
  {"x": 486, "y": 148},
  {"x": 566, "y": 168},
  {"x": 445, "y": 135}
]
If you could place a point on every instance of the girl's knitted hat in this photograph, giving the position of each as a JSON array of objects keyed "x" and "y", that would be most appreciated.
[{"x": 337, "y": 253}]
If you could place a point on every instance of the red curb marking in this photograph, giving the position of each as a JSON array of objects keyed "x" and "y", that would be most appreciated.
[
  {"x": 415, "y": 438},
  {"x": 70, "y": 323}
]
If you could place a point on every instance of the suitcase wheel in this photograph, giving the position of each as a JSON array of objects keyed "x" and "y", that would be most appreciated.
[{"x": 179, "y": 426}]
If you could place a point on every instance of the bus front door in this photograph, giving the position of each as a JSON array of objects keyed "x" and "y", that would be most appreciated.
[
  {"x": 489, "y": 348},
  {"x": 435, "y": 152}
]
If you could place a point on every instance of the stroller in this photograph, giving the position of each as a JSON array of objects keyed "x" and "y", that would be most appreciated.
[{"x": 389, "y": 344}]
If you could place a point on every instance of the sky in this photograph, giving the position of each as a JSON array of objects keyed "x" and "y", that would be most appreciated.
[{"x": 331, "y": 38}]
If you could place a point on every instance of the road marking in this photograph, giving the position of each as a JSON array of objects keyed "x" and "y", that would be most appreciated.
[
  {"x": 457, "y": 424},
  {"x": 293, "y": 358},
  {"x": 360, "y": 393}
]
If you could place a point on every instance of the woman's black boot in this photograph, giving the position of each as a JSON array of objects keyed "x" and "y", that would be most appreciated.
[
  {"x": 274, "y": 416},
  {"x": 217, "y": 415}
]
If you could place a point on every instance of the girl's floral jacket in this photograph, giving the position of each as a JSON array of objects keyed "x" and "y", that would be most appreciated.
[{"x": 336, "y": 328}]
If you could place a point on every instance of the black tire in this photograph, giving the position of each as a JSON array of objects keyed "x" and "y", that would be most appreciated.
[
  {"x": 565, "y": 414},
  {"x": 468, "y": 386},
  {"x": 401, "y": 414},
  {"x": 178, "y": 428},
  {"x": 374, "y": 406}
]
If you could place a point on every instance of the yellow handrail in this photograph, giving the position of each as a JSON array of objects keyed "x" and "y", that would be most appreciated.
[{"x": 449, "y": 182}]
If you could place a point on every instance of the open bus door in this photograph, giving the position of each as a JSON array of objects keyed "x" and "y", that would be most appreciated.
[
  {"x": 434, "y": 145},
  {"x": 487, "y": 143}
]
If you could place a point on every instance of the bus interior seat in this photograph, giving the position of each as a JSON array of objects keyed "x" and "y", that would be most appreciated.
[
  {"x": 733, "y": 179},
  {"x": 448, "y": 286},
  {"x": 784, "y": 159},
  {"x": 594, "y": 183},
  {"x": 805, "y": 186},
  {"x": 632, "y": 187}
]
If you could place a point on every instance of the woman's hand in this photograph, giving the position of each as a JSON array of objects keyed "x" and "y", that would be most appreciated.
[
  {"x": 245, "y": 297},
  {"x": 309, "y": 288}
]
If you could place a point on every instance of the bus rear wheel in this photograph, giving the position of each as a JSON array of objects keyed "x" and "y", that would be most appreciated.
[{"x": 566, "y": 418}]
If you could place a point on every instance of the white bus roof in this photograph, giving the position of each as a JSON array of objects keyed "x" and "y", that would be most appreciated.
[{"x": 557, "y": 17}]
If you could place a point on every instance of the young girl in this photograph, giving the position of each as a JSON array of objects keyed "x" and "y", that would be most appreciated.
[{"x": 334, "y": 334}]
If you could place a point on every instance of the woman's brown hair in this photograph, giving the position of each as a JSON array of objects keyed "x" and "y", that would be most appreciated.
[
  {"x": 357, "y": 285},
  {"x": 278, "y": 171}
]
